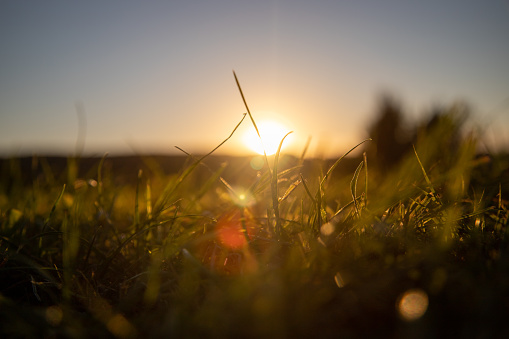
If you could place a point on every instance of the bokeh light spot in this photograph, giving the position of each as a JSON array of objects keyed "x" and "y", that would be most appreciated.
[
  {"x": 257, "y": 163},
  {"x": 412, "y": 304},
  {"x": 54, "y": 315},
  {"x": 327, "y": 229},
  {"x": 120, "y": 326}
]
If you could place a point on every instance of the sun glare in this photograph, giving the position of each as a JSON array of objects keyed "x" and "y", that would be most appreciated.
[{"x": 271, "y": 132}]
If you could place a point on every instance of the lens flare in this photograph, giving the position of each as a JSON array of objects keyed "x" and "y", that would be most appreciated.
[
  {"x": 257, "y": 163},
  {"x": 235, "y": 228},
  {"x": 242, "y": 197}
]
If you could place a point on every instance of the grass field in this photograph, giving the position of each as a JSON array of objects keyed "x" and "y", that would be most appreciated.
[{"x": 213, "y": 248}]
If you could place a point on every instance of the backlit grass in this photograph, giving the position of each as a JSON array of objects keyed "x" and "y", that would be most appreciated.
[{"x": 299, "y": 248}]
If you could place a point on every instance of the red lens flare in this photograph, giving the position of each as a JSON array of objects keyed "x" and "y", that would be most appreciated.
[{"x": 231, "y": 229}]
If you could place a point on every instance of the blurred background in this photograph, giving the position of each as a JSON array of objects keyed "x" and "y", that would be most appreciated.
[{"x": 130, "y": 77}]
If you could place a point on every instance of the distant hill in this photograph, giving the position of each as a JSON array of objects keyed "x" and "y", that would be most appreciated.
[{"x": 125, "y": 168}]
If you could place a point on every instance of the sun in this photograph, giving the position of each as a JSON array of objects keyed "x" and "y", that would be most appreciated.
[{"x": 271, "y": 133}]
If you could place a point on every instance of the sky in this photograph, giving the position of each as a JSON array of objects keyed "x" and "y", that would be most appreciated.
[{"x": 130, "y": 77}]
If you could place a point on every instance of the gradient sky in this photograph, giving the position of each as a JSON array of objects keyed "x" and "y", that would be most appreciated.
[{"x": 154, "y": 74}]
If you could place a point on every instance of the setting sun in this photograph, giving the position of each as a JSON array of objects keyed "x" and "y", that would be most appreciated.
[{"x": 271, "y": 133}]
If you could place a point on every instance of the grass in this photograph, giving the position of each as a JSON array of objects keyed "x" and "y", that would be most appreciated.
[{"x": 293, "y": 250}]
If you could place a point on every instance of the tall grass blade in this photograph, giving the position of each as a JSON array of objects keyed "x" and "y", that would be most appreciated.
[
  {"x": 275, "y": 198},
  {"x": 170, "y": 189},
  {"x": 428, "y": 181},
  {"x": 290, "y": 189},
  {"x": 137, "y": 201},
  {"x": 365, "y": 157},
  {"x": 252, "y": 119},
  {"x": 100, "y": 185},
  {"x": 329, "y": 172},
  {"x": 307, "y": 189},
  {"x": 304, "y": 151},
  {"x": 53, "y": 208},
  {"x": 148, "y": 199},
  {"x": 353, "y": 187}
]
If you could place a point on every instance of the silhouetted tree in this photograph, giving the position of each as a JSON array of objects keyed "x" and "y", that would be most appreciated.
[
  {"x": 445, "y": 124},
  {"x": 440, "y": 131},
  {"x": 390, "y": 141}
]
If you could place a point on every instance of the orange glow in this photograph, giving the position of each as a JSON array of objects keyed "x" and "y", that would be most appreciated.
[{"x": 231, "y": 227}]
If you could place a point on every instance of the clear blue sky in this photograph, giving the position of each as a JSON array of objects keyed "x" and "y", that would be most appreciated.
[{"x": 154, "y": 74}]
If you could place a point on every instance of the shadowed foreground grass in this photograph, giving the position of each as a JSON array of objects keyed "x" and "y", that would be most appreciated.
[{"x": 290, "y": 250}]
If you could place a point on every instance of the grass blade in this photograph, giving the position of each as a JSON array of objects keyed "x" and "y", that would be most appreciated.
[
  {"x": 252, "y": 119},
  {"x": 53, "y": 208},
  {"x": 171, "y": 188},
  {"x": 353, "y": 186},
  {"x": 329, "y": 172},
  {"x": 275, "y": 198}
]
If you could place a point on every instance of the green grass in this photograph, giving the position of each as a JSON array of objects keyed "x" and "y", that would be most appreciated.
[{"x": 314, "y": 252}]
